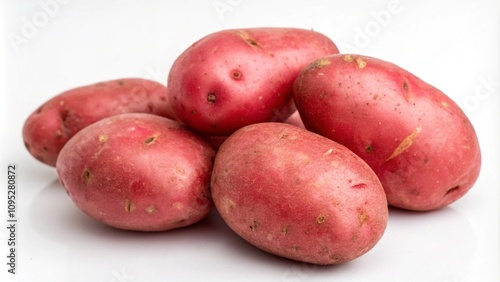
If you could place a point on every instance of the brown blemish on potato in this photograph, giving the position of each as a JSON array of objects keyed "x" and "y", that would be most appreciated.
[
  {"x": 150, "y": 209},
  {"x": 120, "y": 82},
  {"x": 369, "y": 148},
  {"x": 254, "y": 225},
  {"x": 363, "y": 217},
  {"x": 285, "y": 230},
  {"x": 180, "y": 170},
  {"x": 321, "y": 63},
  {"x": 405, "y": 86},
  {"x": 150, "y": 107},
  {"x": 211, "y": 98},
  {"x": 180, "y": 221},
  {"x": 193, "y": 112},
  {"x": 452, "y": 190},
  {"x": 360, "y": 62},
  {"x": 348, "y": 58},
  {"x": 103, "y": 138},
  {"x": 228, "y": 203},
  {"x": 318, "y": 64},
  {"x": 87, "y": 175},
  {"x": 359, "y": 186},
  {"x": 177, "y": 205},
  {"x": 151, "y": 139},
  {"x": 321, "y": 219},
  {"x": 406, "y": 143},
  {"x": 252, "y": 42},
  {"x": 325, "y": 250},
  {"x": 237, "y": 75},
  {"x": 406, "y": 93},
  {"x": 58, "y": 134},
  {"x": 335, "y": 258},
  {"x": 129, "y": 206},
  {"x": 245, "y": 36},
  {"x": 322, "y": 95},
  {"x": 64, "y": 115}
]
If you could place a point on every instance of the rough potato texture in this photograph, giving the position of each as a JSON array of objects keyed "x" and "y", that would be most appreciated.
[
  {"x": 419, "y": 142},
  {"x": 138, "y": 171},
  {"x": 233, "y": 78},
  {"x": 298, "y": 195},
  {"x": 49, "y": 127}
]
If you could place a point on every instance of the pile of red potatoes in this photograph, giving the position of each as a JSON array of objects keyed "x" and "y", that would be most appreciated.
[{"x": 299, "y": 148}]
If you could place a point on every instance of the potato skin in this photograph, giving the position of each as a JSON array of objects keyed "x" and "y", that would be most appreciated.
[
  {"x": 298, "y": 195},
  {"x": 232, "y": 78},
  {"x": 50, "y": 126},
  {"x": 419, "y": 142},
  {"x": 138, "y": 171}
]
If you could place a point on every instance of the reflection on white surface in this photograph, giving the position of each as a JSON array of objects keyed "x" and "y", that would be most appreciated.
[{"x": 439, "y": 244}]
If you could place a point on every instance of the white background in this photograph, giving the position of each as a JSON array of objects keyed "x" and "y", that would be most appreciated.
[{"x": 50, "y": 48}]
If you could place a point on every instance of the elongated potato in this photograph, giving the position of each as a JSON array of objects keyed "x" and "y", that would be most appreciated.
[
  {"x": 232, "y": 78},
  {"x": 298, "y": 195},
  {"x": 419, "y": 142},
  {"x": 138, "y": 171},
  {"x": 50, "y": 126}
]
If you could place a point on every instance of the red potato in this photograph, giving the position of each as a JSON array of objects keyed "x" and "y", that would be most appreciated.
[
  {"x": 298, "y": 195},
  {"x": 419, "y": 142},
  {"x": 49, "y": 127},
  {"x": 138, "y": 171},
  {"x": 234, "y": 78}
]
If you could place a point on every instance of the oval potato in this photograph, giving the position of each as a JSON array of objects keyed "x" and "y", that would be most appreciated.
[
  {"x": 298, "y": 195},
  {"x": 232, "y": 78},
  {"x": 50, "y": 126},
  {"x": 138, "y": 171},
  {"x": 417, "y": 140}
]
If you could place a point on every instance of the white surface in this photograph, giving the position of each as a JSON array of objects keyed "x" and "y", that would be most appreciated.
[{"x": 453, "y": 45}]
